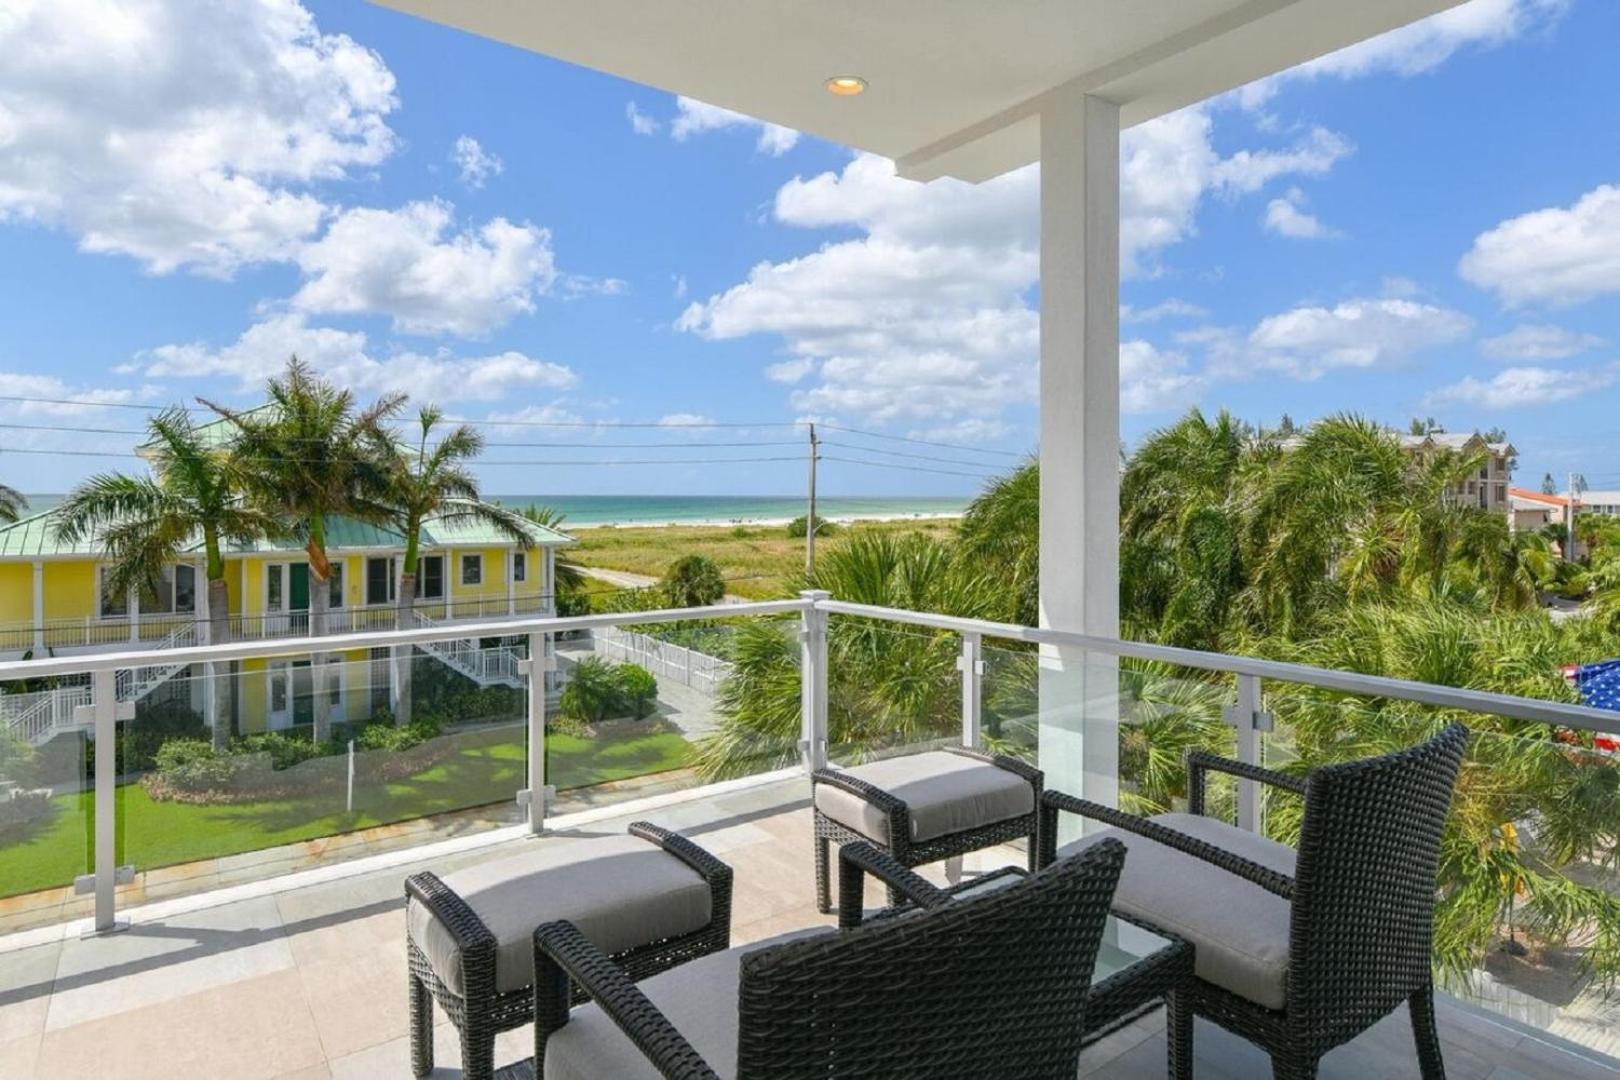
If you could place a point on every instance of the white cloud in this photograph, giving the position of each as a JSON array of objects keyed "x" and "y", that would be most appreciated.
[
  {"x": 678, "y": 289},
  {"x": 1165, "y": 309},
  {"x": 640, "y": 122},
  {"x": 1539, "y": 343},
  {"x": 577, "y": 285},
  {"x": 475, "y": 164},
  {"x": 533, "y": 420},
  {"x": 974, "y": 429},
  {"x": 182, "y": 133},
  {"x": 1287, "y": 216},
  {"x": 926, "y": 317},
  {"x": 60, "y": 399},
  {"x": 1521, "y": 387},
  {"x": 1151, "y": 380},
  {"x": 1308, "y": 341},
  {"x": 685, "y": 420},
  {"x": 790, "y": 371},
  {"x": 401, "y": 263},
  {"x": 1555, "y": 256},
  {"x": 693, "y": 117},
  {"x": 345, "y": 357},
  {"x": 1421, "y": 46}
]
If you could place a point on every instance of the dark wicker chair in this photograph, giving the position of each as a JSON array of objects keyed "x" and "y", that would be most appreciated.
[
  {"x": 1357, "y": 923},
  {"x": 988, "y": 985},
  {"x": 899, "y": 843},
  {"x": 483, "y": 1012}
]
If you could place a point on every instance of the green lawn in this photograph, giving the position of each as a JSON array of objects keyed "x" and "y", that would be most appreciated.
[{"x": 154, "y": 834}]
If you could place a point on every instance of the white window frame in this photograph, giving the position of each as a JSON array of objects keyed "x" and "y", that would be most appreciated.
[
  {"x": 472, "y": 558},
  {"x": 101, "y": 599},
  {"x": 520, "y": 566},
  {"x": 421, "y": 577}
]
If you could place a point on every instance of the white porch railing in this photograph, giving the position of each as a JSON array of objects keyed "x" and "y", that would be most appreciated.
[
  {"x": 497, "y": 666},
  {"x": 683, "y": 665}
]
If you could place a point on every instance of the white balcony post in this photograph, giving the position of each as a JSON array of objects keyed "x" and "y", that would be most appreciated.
[
  {"x": 1079, "y": 441},
  {"x": 39, "y": 608},
  {"x": 813, "y": 682},
  {"x": 971, "y": 665},
  {"x": 536, "y": 668},
  {"x": 1249, "y": 720},
  {"x": 132, "y": 604},
  {"x": 104, "y": 705}
]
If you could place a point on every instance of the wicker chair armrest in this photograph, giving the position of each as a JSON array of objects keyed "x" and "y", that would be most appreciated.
[
  {"x": 1054, "y": 801},
  {"x": 883, "y": 800},
  {"x": 858, "y": 859},
  {"x": 605, "y": 983},
  {"x": 1001, "y": 761},
  {"x": 715, "y": 872},
  {"x": 446, "y": 905},
  {"x": 1199, "y": 762}
]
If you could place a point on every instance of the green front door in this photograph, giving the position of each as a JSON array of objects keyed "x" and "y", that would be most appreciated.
[{"x": 298, "y": 587}]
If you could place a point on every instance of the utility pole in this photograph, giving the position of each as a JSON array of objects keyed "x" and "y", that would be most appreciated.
[
  {"x": 1577, "y": 484},
  {"x": 810, "y": 519}
]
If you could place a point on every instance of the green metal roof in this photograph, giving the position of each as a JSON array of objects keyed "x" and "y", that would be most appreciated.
[{"x": 34, "y": 537}]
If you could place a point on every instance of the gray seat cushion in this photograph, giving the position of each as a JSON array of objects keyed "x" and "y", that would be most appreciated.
[
  {"x": 946, "y": 793},
  {"x": 620, "y": 891},
  {"x": 699, "y": 998},
  {"x": 1239, "y": 931}
]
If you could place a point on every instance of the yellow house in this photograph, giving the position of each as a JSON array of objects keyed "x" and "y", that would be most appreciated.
[{"x": 52, "y": 602}]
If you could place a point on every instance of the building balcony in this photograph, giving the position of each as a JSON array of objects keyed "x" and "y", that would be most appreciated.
[{"x": 262, "y": 888}]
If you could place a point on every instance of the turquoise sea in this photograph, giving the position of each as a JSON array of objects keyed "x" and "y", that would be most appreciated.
[{"x": 587, "y": 510}]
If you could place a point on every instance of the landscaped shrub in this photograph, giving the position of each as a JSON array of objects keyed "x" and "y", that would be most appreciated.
[
  {"x": 194, "y": 765},
  {"x": 640, "y": 689},
  {"x": 693, "y": 581},
  {"x": 19, "y": 761},
  {"x": 797, "y": 528},
  {"x": 286, "y": 749},
  {"x": 598, "y": 690}
]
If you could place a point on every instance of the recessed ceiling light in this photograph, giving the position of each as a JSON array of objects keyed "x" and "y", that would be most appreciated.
[{"x": 846, "y": 85}]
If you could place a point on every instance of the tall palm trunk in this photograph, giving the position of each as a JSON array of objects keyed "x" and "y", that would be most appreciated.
[
  {"x": 219, "y": 631},
  {"x": 318, "y": 602},
  {"x": 404, "y": 655}
]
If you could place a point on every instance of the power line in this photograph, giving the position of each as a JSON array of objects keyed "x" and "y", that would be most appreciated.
[
  {"x": 908, "y": 468},
  {"x": 683, "y": 444},
  {"x": 902, "y": 453},
  {"x": 921, "y": 442},
  {"x": 480, "y": 461}
]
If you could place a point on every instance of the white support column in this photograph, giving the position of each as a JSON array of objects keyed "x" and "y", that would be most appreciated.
[
  {"x": 548, "y": 583},
  {"x": 39, "y": 609},
  {"x": 511, "y": 585},
  {"x": 132, "y": 604},
  {"x": 452, "y": 570},
  {"x": 971, "y": 665},
  {"x": 1079, "y": 444}
]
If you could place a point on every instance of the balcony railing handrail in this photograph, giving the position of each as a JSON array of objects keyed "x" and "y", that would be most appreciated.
[
  {"x": 1476, "y": 701},
  {"x": 1349, "y": 682},
  {"x": 267, "y": 648}
]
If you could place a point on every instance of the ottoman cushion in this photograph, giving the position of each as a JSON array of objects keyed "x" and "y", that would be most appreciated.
[
  {"x": 620, "y": 891},
  {"x": 946, "y": 793}
]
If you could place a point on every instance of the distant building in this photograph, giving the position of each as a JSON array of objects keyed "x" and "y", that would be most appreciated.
[
  {"x": 1600, "y": 502},
  {"x": 1532, "y": 511},
  {"x": 1488, "y": 489}
]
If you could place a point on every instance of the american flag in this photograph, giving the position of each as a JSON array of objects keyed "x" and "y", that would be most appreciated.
[{"x": 1599, "y": 687}]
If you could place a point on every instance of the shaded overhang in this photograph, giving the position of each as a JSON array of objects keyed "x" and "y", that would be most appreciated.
[{"x": 955, "y": 87}]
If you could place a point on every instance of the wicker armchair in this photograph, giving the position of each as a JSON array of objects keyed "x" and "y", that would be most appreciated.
[
  {"x": 1298, "y": 953},
  {"x": 988, "y": 985}
]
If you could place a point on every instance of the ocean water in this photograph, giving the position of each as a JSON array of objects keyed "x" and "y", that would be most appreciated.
[{"x": 583, "y": 511}]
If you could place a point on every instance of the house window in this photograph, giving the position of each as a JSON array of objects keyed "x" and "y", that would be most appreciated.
[
  {"x": 272, "y": 593},
  {"x": 112, "y": 607},
  {"x": 430, "y": 578},
  {"x": 185, "y": 589},
  {"x": 380, "y": 585},
  {"x": 520, "y": 566},
  {"x": 472, "y": 569},
  {"x": 334, "y": 587}
]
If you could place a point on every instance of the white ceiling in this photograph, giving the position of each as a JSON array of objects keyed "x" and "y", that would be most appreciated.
[{"x": 954, "y": 85}]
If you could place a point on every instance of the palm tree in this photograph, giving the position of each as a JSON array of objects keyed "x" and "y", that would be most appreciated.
[
  {"x": 1001, "y": 532},
  {"x": 432, "y": 481},
  {"x": 144, "y": 524},
  {"x": 566, "y": 574},
  {"x": 12, "y": 504},
  {"x": 310, "y": 456},
  {"x": 888, "y": 688}
]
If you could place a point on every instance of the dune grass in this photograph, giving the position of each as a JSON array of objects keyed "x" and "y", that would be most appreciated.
[{"x": 760, "y": 562}]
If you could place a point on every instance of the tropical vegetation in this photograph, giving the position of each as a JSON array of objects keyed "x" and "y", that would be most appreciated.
[
  {"x": 12, "y": 504},
  {"x": 1328, "y": 545}
]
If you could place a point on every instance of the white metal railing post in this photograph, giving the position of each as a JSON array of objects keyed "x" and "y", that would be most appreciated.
[
  {"x": 813, "y": 682},
  {"x": 1249, "y": 720},
  {"x": 105, "y": 709},
  {"x": 971, "y": 665},
  {"x": 536, "y": 667}
]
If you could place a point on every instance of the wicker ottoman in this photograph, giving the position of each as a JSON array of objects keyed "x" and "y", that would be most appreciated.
[
  {"x": 924, "y": 808},
  {"x": 650, "y": 899}
]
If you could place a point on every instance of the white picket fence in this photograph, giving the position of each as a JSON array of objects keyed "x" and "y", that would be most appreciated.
[{"x": 675, "y": 663}]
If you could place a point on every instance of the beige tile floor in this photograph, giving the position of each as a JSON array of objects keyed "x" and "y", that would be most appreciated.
[{"x": 310, "y": 981}]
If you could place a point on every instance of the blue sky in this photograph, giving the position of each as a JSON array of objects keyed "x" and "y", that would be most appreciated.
[{"x": 1425, "y": 225}]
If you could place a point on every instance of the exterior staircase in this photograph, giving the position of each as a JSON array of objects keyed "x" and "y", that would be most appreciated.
[
  {"x": 497, "y": 666},
  {"x": 39, "y": 717}
]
